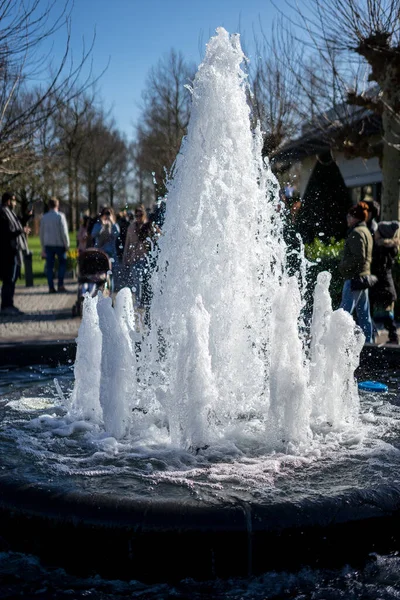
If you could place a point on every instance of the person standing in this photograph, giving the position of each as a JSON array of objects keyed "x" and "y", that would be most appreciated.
[
  {"x": 356, "y": 265},
  {"x": 120, "y": 275},
  {"x": 383, "y": 294},
  {"x": 12, "y": 246},
  {"x": 105, "y": 233},
  {"x": 123, "y": 224},
  {"x": 54, "y": 239},
  {"x": 140, "y": 239},
  {"x": 82, "y": 235}
]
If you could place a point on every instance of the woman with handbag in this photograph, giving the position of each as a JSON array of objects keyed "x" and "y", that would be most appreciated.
[{"x": 355, "y": 267}]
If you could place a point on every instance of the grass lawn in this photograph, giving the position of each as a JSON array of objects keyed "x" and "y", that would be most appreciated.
[{"x": 39, "y": 278}]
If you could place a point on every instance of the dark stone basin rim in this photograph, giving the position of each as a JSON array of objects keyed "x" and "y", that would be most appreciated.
[
  {"x": 61, "y": 352},
  {"x": 174, "y": 515},
  {"x": 159, "y": 540}
]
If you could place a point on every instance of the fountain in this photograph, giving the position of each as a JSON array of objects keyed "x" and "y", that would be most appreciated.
[
  {"x": 226, "y": 310},
  {"x": 221, "y": 430}
]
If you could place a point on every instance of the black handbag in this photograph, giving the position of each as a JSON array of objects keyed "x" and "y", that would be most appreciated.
[{"x": 363, "y": 282}]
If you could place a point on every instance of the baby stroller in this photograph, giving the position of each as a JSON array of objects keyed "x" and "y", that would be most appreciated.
[{"x": 94, "y": 275}]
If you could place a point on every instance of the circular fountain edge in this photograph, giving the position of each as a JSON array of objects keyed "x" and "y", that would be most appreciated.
[
  {"x": 159, "y": 539},
  {"x": 49, "y": 352},
  {"x": 61, "y": 352}
]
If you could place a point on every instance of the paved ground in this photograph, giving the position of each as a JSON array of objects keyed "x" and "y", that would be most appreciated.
[
  {"x": 383, "y": 337},
  {"x": 47, "y": 316}
]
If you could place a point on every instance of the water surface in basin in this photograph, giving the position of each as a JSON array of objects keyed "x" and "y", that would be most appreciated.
[{"x": 39, "y": 442}]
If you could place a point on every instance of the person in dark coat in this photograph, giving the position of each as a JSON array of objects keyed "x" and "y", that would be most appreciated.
[
  {"x": 356, "y": 263},
  {"x": 383, "y": 293},
  {"x": 12, "y": 246}
]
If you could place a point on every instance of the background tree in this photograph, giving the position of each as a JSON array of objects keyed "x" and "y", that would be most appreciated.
[
  {"x": 103, "y": 159},
  {"x": 70, "y": 121},
  {"x": 164, "y": 119},
  {"x": 44, "y": 177},
  {"x": 140, "y": 180},
  {"x": 358, "y": 43},
  {"x": 275, "y": 91},
  {"x": 115, "y": 173},
  {"x": 25, "y": 25}
]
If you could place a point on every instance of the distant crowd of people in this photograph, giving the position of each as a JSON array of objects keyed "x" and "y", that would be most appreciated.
[{"x": 127, "y": 238}]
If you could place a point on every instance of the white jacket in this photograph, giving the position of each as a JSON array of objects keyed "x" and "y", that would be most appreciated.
[{"x": 54, "y": 230}]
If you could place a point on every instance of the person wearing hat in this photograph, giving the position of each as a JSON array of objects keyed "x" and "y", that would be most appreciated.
[
  {"x": 355, "y": 266},
  {"x": 383, "y": 294}
]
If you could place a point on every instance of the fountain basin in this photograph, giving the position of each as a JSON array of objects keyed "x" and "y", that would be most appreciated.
[
  {"x": 173, "y": 538},
  {"x": 108, "y": 517},
  {"x": 50, "y": 353}
]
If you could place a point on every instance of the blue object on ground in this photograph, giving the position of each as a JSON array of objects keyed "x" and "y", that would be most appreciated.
[{"x": 372, "y": 386}]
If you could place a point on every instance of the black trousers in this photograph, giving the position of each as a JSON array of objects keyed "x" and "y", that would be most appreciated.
[
  {"x": 10, "y": 273},
  {"x": 390, "y": 326}
]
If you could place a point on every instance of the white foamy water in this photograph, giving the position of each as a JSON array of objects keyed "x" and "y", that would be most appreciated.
[{"x": 223, "y": 363}]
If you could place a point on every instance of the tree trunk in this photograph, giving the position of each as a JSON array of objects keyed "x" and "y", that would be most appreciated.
[
  {"x": 111, "y": 194},
  {"x": 386, "y": 72},
  {"x": 93, "y": 198},
  {"x": 141, "y": 186},
  {"x": 390, "y": 203},
  {"x": 76, "y": 195},
  {"x": 70, "y": 196}
]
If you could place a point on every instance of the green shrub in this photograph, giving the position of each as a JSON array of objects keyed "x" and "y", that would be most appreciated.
[{"x": 325, "y": 257}]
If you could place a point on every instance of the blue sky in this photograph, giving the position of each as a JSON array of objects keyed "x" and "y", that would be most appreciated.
[{"x": 132, "y": 35}]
